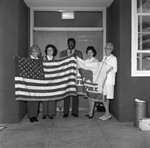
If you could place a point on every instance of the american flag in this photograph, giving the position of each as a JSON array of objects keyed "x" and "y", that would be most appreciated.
[{"x": 37, "y": 80}]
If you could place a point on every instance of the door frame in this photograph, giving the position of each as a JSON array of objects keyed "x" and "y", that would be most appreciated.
[{"x": 101, "y": 9}]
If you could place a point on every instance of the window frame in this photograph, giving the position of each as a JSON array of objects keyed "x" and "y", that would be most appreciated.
[
  {"x": 32, "y": 28},
  {"x": 134, "y": 42}
]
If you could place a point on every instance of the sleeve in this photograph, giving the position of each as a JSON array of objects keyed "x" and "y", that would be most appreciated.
[
  {"x": 80, "y": 54},
  {"x": 114, "y": 64},
  {"x": 44, "y": 58}
]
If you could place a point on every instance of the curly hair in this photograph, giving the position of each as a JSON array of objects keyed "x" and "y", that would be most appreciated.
[
  {"x": 35, "y": 48},
  {"x": 53, "y": 47},
  {"x": 93, "y": 50},
  {"x": 110, "y": 45}
]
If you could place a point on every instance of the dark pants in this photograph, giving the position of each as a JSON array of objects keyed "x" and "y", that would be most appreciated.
[
  {"x": 32, "y": 108},
  {"x": 75, "y": 105},
  {"x": 49, "y": 108}
]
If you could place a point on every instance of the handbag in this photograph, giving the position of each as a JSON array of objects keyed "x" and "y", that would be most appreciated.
[{"x": 100, "y": 107}]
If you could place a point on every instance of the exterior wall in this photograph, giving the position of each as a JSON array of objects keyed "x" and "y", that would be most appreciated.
[
  {"x": 127, "y": 88},
  {"x": 13, "y": 41}
]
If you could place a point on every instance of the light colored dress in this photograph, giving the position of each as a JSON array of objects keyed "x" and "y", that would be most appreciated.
[{"x": 111, "y": 62}]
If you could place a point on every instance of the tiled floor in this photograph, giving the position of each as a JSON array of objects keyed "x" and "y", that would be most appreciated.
[{"x": 73, "y": 132}]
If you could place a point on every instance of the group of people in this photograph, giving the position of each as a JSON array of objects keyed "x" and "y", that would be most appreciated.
[
  {"x": 49, "y": 107},
  {"x": 111, "y": 68}
]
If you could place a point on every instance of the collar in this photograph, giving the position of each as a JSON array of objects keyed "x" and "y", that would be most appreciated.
[
  {"x": 49, "y": 58},
  {"x": 90, "y": 59},
  {"x": 108, "y": 57},
  {"x": 68, "y": 51},
  {"x": 33, "y": 57}
]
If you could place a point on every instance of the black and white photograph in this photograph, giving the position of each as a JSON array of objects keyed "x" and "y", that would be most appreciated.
[{"x": 74, "y": 73}]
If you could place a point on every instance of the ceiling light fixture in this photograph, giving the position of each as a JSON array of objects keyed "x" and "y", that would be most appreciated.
[{"x": 67, "y": 15}]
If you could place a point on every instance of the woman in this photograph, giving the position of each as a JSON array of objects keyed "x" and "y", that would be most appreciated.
[
  {"x": 33, "y": 106},
  {"x": 91, "y": 53},
  {"x": 111, "y": 67},
  {"x": 49, "y": 107}
]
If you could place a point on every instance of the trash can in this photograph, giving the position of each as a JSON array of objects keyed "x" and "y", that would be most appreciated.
[{"x": 140, "y": 111}]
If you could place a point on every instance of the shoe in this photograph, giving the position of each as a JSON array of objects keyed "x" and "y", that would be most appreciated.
[
  {"x": 102, "y": 117},
  {"x": 65, "y": 115},
  {"x": 44, "y": 117},
  {"x": 105, "y": 118},
  {"x": 87, "y": 115},
  {"x": 75, "y": 115},
  {"x": 90, "y": 116},
  {"x": 35, "y": 119},
  {"x": 51, "y": 117},
  {"x": 31, "y": 119}
]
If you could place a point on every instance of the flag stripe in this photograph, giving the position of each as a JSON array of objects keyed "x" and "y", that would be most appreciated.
[
  {"x": 20, "y": 80},
  {"x": 60, "y": 62},
  {"x": 51, "y": 71},
  {"x": 45, "y": 98},
  {"x": 60, "y": 75},
  {"x": 43, "y": 94},
  {"x": 44, "y": 88}
]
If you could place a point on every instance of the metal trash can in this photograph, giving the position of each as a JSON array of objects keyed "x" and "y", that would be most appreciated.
[{"x": 140, "y": 111}]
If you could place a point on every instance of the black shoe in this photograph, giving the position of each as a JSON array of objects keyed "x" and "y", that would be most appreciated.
[
  {"x": 44, "y": 117},
  {"x": 65, "y": 115},
  {"x": 35, "y": 119},
  {"x": 51, "y": 117},
  {"x": 31, "y": 119},
  {"x": 87, "y": 115},
  {"x": 91, "y": 116},
  {"x": 75, "y": 115}
]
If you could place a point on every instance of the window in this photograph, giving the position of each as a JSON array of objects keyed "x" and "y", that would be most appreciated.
[
  {"x": 140, "y": 38},
  {"x": 81, "y": 19},
  {"x": 88, "y": 27},
  {"x": 44, "y": 21}
]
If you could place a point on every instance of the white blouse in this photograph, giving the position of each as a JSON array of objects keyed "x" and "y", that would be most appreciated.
[{"x": 111, "y": 62}]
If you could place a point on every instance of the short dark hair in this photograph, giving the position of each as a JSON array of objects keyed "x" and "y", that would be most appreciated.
[
  {"x": 53, "y": 47},
  {"x": 93, "y": 50},
  {"x": 71, "y": 39}
]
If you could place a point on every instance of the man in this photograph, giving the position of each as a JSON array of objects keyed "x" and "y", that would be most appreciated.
[{"x": 75, "y": 99}]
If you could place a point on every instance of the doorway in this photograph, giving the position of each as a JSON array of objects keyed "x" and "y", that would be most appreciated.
[
  {"x": 59, "y": 39},
  {"x": 88, "y": 28}
]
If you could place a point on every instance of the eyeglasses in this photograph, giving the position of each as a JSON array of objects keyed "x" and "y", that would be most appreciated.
[
  {"x": 108, "y": 48},
  {"x": 34, "y": 51}
]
